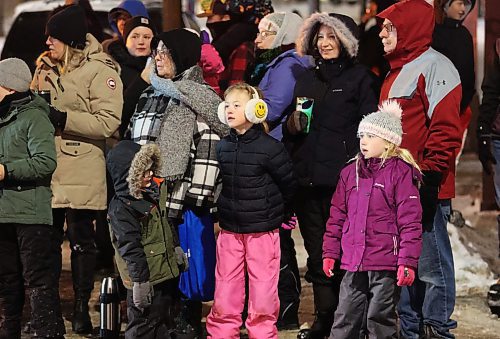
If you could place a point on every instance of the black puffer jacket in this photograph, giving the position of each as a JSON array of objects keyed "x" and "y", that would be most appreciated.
[
  {"x": 257, "y": 182},
  {"x": 131, "y": 66},
  {"x": 343, "y": 92},
  {"x": 455, "y": 41}
]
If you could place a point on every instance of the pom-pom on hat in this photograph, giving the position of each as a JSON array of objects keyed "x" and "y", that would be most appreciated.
[{"x": 384, "y": 123}]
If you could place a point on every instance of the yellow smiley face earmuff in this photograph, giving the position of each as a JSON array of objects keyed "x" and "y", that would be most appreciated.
[{"x": 255, "y": 109}]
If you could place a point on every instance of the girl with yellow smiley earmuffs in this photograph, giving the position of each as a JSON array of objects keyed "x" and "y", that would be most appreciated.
[{"x": 257, "y": 187}]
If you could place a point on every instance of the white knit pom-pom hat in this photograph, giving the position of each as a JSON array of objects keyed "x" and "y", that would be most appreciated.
[{"x": 384, "y": 123}]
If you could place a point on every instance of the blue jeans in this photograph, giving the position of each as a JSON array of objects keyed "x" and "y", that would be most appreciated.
[{"x": 431, "y": 298}]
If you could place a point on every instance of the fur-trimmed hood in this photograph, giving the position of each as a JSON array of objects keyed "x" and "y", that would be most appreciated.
[
  {"x": 126, "y": 164},
  {"x": 343, "y": 26}
]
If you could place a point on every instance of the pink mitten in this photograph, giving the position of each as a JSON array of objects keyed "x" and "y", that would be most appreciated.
[
  {"x": 406, "y": 275},
  {"x": 328, "y": 264},
  {"x": 290, "y": 224}
]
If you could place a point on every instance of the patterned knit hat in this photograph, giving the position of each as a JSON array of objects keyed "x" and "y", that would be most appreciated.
[{"x": 384, "y": 123}]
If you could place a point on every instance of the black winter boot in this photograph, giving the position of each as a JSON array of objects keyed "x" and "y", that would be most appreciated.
[
  {"x": 326, "y": 300},
  {"x": 82, "y": 269},
  {"x": 81, "y": 323}
]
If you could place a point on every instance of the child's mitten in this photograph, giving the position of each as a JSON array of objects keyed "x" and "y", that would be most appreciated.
[
  {"x": 290, "y": 224},
  {"x": 406, "y": 275},
  {"x": 181, "y": 259},
  {"x": 328, "y": 264},
  {"x": 142, "y": 294}
]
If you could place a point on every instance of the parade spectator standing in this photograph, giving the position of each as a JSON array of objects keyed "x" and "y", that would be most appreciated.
[
  {"x": 257, "y": 191},
  {"x": 488, "y": 125},
  {"x": 488, "y": 133},
  {"x": 233, "y": 26},
  {"x": 375, "y": 228},
  {"x": 86, "y": 103},
  {"x": 30, "y": 244},
  {"x": 132, "y": 53},
  {"x": 371, "y": 51},
  {"x": 343, "y": 92},
  {"x": 178, "y": 111},
  {"x": 119, "y": 15},
  {"x": 276, "y": 71},
  {"x": 147, "y": 258},
  {"x": 453, "y": 40},
  {"x": 427, "y": 86}
]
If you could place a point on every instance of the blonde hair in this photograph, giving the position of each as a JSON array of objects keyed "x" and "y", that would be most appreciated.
[
  {"x": 391, "y": 151},
  {"x": 394, "y": 150},
  {"x": 246, "y": 88}
]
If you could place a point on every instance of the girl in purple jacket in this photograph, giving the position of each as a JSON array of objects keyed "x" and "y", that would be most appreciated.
[{"x": 374, "y": 228}]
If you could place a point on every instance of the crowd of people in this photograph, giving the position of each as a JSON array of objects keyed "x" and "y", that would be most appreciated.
[{"x": 262, "y": 122}]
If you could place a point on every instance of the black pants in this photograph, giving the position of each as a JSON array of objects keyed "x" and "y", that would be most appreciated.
[
  {"x": 81, "y": 236},
  {"x": 30, "y": 257},
  {"x": 289, "y": 280},
  {"x": 312, "y": 206},
  {"x": 156, "y": 321},
  {"x": 372, "y": 294}
]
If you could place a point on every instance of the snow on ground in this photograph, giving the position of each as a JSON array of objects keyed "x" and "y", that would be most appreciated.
[{"x": 472, "y": 273}]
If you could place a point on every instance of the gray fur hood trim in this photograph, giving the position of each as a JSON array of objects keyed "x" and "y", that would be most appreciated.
[
  {"x": 345, "y": 36},
  {"x": 147, "y": 158}
]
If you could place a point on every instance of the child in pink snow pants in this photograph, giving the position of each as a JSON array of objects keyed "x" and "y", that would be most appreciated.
[{"x": 257, "y": 188}]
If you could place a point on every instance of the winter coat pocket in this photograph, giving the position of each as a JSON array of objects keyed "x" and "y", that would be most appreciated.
[
  {"x": 156, "y": 257},
  {"x": 75, "y": 148}
]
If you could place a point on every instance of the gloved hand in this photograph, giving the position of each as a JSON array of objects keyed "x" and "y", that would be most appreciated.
[
  {"x": 57, "y": 118},
  {"x": 290, "y": 224},
  {"x": 328, "y": 264},
  {"x": 406, "y": 275},
  {"x": 484, "y": 152},
  {"x": 142, "y": 294},
  {"x": 429, "y": 197},
  {"x": 296, "y": 123},
  {"x": 148, "y": 69},
  {"x": 181, "y": 259}
]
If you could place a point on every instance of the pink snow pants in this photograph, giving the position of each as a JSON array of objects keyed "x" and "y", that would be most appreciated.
[{"x": 259, "y": 254}]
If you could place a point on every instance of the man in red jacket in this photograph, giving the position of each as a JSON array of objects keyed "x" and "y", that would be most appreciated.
[{"x": 427, "y": 86}]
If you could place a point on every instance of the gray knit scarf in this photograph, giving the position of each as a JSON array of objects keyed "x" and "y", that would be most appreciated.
[{"x": 177, "y": 127}]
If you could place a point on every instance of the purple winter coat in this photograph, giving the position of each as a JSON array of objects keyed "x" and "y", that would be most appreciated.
[{"x": 378, "y": 223}]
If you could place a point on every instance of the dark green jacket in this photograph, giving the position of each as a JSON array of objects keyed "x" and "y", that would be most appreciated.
[
  {"x": 28, "y": 153},
  {"x": 140, "y": 233}
]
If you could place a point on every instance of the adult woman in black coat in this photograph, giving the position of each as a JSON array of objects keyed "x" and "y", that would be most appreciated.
[{"x": 343, "y": 92}]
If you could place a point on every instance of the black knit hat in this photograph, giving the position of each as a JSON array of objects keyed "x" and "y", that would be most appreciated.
[
  {"x": 136, "y": 21},
  {"x": 184, "y": 47},
  {"x": 69, "y": 26}
]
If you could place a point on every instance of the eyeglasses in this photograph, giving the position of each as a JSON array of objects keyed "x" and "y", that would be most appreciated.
[
  {"x": 163, "y": 53},
  {"x": 265, "y": 34},
  {"x": 388, "y": 27}
]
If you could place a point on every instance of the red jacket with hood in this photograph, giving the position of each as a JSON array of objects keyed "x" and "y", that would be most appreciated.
[{"x": 427, "y": 86}]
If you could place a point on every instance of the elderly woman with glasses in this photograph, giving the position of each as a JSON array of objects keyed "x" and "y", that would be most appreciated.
[
  {"x": 322, "y": 138},
  {"x": 178, "y": 111}
]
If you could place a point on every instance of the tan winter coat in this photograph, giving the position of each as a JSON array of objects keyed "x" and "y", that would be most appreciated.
[{"x": 91, "y": 94}]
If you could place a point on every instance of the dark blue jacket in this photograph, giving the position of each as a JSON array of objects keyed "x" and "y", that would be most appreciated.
[{"x": 257, "y": 182}]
